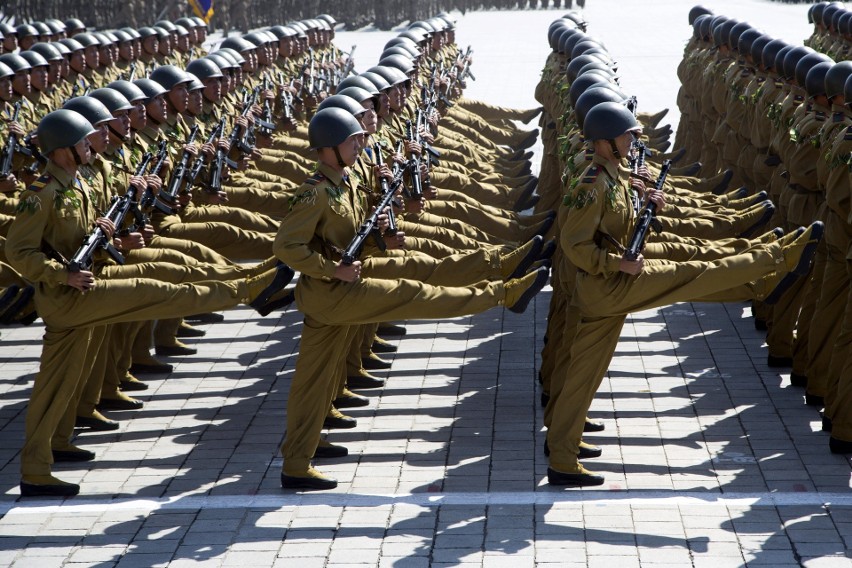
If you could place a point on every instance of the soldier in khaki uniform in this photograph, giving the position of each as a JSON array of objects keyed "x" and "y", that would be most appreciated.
[
  {"x": 55, "y": 214},
  {"x": 324, "y": 218},
  {"x": 610, "y": 285}
]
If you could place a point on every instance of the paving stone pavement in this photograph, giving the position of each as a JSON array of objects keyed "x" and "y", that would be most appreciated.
[{"x": 711, "y": 458}]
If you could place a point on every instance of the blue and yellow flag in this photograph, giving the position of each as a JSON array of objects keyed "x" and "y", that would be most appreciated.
[{"x": 203, "y": 9}]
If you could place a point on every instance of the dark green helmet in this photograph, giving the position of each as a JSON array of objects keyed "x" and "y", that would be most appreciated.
[
  {"x": 815, "y": 79},
  {"x": 47, "y": 50},
  {"x": 146, "y": 32},
  {"x": 585, "y": 45},
  {"x": 377, "y": 80},
  {"x": 166, "y": 25},
  {"x": 346, "y": 103},
  {"x": 770, "y": 53},
  {"x": 5, "y": 70},
  {"x": 592, "y": 97},
  {"x": 780, "y": 57},
  {"x": 390, "y": 74},
  {"x": 34, "y": 59},
  {"x": 697, "y": 11},
  {"x": 112, "y": 99},
  {"x": 572, "y": 70},
  {"x": 404, "y": 64},
  {"x": 94, "y": 110},
  {"x": 806, "y": 63},
  {"x": 152, "y": 89},
  {"x": 607, "y": 121},
  {"x": 238, "y": 44},
  {"x": 721, "y": 31},
  {"x": 62, "y": 128},
  {"x": 835, "y": 79},
  {"x": 587, "y": 81},
  {"x": 283, "y": 31},
  {"x": 360, "y": 82},
  {"x": 56, "y": 26},
  {"x": 204, "y": 69},
  {"x": 169, "y": 76},
  {"x": 330, "y": 127},
  {"x": 26, "y": 30},
  {"x": 72, "y": 44},
  {"x": 74, "y": 25},
  {"x": 757, "y": 48},
  {"x": 7, "y": 30},
  {"x": 222, "y": 61},
  {"x": 130, "y": 91},
  {"x": 195, "y": 83},
  {"x": 746, "y": 39},
  {"x": 791, "y": 59},
  {"x": 397, "y": 50},
  {"x": 87, "y": 39},
  {"x": 15, "y": 62},
  {"x": 186, "y": 23},
  {"x": 232, "y": 54},
  {"x": 356, "y": 93}
]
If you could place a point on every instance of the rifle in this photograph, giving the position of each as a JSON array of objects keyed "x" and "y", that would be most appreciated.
[
  {"x": 267, "y": 126},
  {"x": 118, "y": 210},
  {"x": 647, "y": 219},
  {"x": 432, "y": 153},
  {"x": 201, "y": 160},
  {"x": 369, "y": 226},
  {"x": 171, "y": 191},
  {"x": 12, "y": 146},
  {"x": 234, "y": 139},
  {"x": 149, "y": 199},
  {"x": 350, "y": 65},
  {"x": 413, "y": 167},
  {"x": 386, "y": 187}
]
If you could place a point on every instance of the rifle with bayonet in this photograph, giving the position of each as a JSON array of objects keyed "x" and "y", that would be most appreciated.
[
  {"x": 236, "y": 139},
  {"x": 98, "y": 239},
  {"x": 266, "y": 121},
  {"x": 647, "y": 219}
]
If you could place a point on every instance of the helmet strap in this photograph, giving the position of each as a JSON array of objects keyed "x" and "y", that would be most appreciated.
[
  {"x": 615, "y": 151},
  {"x": 120, "y": 136},
  {"x": 340, "y": 161}
]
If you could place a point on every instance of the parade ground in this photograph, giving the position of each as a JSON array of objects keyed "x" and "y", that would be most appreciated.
[{"x": 711, "y": 458}]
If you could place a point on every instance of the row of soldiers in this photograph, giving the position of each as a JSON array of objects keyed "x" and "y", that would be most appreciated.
[
  {"x": 168, "y": 222},
  {"x": 777, "y": 116},
  {"x": 637, "y": 230},
  {"x": 248, "y": 14},
  {"x": 832, "y": 29}
]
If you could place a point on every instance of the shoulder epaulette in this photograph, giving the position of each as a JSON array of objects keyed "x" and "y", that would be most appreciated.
[
  {"x": 315, "y": 179},
  {"x": 798, "y": 98},
  {"x": 591, "y": 174},
  {"x": 838, "y": 116},
  {"x": 778, "y": 83},
  {"x": 848, "y": 135},
  {"x": 39, "y": 184},
  {"x": 819, "y": 115}
]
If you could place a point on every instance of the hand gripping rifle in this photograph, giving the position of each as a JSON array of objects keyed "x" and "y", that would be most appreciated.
[
  {"x": 12, "y": 146},
  {"x": 647, "y": 219},
  {"x": 201, "y": 160},
  {"x": 413, "y": 166},
  {"x": 370, "y": 224},
  {"x": 267, "y": 126},
  {"x": 386, "y": 187},
  {"x": 98, "y": 239},
  {"x": 235, "y": 138},
  {"x": 171, "y": 191},
  {"x": 148, "y": 198}
]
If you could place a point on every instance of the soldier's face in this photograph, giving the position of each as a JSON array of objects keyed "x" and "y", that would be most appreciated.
[
  {"x": 38, "y": 78},
  {"x": 179, "y": 97},
  {"x": 138, "y": 116},
  {"x": 125, "y": 50},
  {"x": 26, "y": 42},
  {"x": 10, "y": 43},
  {"x": 156, "y": 108},
  {"x": 121, "y": 123},
  {"x": 195, "y": 101},
  {"x": 213, "y": 89},
  {"x": 55, "y": 71},
  {"x": 92, "y": 56},
  {"x": 150, "y": 44},
  {"x": 183, "y": 43},
  {"x": 6, "y": 89},
  {"x": 370, "y": 119},
  {"x": 83, "y": 150},
  {"x": 99, "y": 138},
  {"x": 77, "y": 61},
  {"x": 21, "y": 82}
]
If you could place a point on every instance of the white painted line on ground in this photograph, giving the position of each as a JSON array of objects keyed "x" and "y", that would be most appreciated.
[{"x": 272, "y": 502}]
